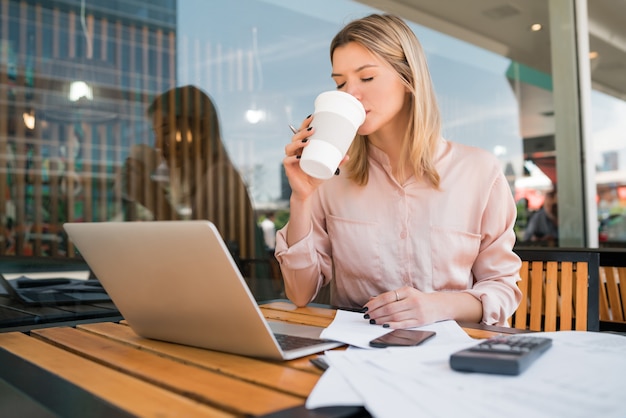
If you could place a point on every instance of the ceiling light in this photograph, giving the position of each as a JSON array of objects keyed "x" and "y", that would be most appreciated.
[
  {"x": 593, "y": 55},
  {"x": 29, "y": 119},
  {"x": 80, "y": 90},
  {"x": 255, "y": 116},
  {"x": 536, "y": 27}
]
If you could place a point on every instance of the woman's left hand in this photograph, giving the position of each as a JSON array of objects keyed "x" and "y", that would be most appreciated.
[{"x": 405, "y": 307}]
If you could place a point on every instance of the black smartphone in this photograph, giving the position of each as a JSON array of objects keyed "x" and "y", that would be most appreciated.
[{"x": 402, "y": 338}]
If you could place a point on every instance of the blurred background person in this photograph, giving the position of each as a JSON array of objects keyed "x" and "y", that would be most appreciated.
[
  {"x": 543, "y": 226},
  {"x": 268, "y": 225}
]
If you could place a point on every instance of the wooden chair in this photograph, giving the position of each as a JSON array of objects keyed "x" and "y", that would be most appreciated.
[
  {"x": 560, "y": 290},
  {"x": 612, "y": 293}
]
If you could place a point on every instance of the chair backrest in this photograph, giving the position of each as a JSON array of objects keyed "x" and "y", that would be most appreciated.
[
  {"x": 560, "y": 290},
  {"x": 612, "y": 282}
]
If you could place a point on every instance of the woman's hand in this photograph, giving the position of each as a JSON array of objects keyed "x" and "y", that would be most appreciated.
[
  {"x": 408, "y": 307},
  {"x": 402, "y": 308},
  {"x": 302, "y": 185}
]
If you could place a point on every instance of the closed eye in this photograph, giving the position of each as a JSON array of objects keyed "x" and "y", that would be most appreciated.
[{"x": 365, "y": 80}]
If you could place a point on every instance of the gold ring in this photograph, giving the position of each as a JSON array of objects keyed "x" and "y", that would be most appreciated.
[{"x": 397, "y": 297}]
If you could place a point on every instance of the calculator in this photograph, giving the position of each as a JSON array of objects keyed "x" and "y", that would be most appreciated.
[{"x": 504, "y": 354}]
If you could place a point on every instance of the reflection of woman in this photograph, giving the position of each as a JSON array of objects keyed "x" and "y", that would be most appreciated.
[
  {"x": 415, "y": 229},
  {"x": 188, "y": 174}
]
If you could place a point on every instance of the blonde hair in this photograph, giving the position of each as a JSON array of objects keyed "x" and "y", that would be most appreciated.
[{"x": 390, "y": 38}]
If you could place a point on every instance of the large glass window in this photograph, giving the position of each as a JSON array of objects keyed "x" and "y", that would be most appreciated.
[
  {"x": 608, "y": 108},
  {"x": 140, "y": 110},
  {"x": 609, "y": 125}
]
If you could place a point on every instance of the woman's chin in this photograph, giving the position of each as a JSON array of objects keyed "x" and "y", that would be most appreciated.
[{"x": 364, "y": 130}]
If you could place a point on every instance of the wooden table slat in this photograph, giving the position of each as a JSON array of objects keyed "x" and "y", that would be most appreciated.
[
  {"x": 296, "y": 318},
  {"x": 307, "y": 310},
  {"x": 199, "y": 384},
  {"x": 281, "y": 376},
  {"x": 138, "y": 397}
]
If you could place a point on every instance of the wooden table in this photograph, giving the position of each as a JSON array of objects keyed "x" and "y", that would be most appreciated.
[{"x": 105, "y": 369}]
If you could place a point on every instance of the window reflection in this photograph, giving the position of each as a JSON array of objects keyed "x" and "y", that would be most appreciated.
[
  {"x": 75, "y": 80},
  {"x": 77, "y": 160},
  {"x": 187, "y": 173}
]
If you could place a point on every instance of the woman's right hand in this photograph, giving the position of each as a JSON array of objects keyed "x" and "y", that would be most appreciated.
[{"x": 302, "y": 185}]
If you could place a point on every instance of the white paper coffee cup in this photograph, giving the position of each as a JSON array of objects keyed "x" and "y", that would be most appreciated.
[{"x": 336, "y": 119}]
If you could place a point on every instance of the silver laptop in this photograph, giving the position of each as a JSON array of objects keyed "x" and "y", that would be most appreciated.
[{"x": 176, "y": 281}]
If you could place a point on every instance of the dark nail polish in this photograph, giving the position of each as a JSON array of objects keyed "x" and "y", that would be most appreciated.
[
  {"x": 305, "y": 139},
  {"x": 309, "y": 128},
  {"x": 337, "y": 171},
  {"x": 385, "y": 325},
  {"x": 364, "y": 309},
  {"x": 308, "y": 116},
  {"x": 366, "y": 316},
  {"x": 373, "y": 321},
  {"x": 298, "y": 156}
]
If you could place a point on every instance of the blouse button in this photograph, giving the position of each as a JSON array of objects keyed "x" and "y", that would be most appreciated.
[{"x": 403, "y": 234}]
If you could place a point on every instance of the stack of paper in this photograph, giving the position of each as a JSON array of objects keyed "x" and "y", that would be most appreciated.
[{"x": 582, "y": 375}]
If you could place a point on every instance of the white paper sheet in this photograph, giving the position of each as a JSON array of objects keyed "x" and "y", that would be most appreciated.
[{"x": 582, "y": 375}]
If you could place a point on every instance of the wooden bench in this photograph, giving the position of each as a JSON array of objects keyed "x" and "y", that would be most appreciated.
[
  {"x": 612, "y": 294},
  {"x": 560, "y": 290}
]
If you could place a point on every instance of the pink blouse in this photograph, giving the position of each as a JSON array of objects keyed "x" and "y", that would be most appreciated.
[{"x": 372, "y": 239}]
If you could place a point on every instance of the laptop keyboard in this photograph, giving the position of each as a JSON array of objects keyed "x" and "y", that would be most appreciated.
[{"x": 292, "y": 342}]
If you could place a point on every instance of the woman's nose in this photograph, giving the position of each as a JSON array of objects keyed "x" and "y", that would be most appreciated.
[{"x": 354, "y": 91}]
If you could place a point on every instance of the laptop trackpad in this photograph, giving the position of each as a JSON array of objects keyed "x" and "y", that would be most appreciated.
[{"x": 300, "y": 330}]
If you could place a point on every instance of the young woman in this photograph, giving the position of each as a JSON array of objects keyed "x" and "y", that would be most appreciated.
[{"x": 415, "y": 229}]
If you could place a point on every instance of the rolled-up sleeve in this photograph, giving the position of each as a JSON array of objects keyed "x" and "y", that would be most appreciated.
[
  {"x": 496, "y": 268},
  {"x": 300, "y": 256},
  {"x": 308, "y": 261}
]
